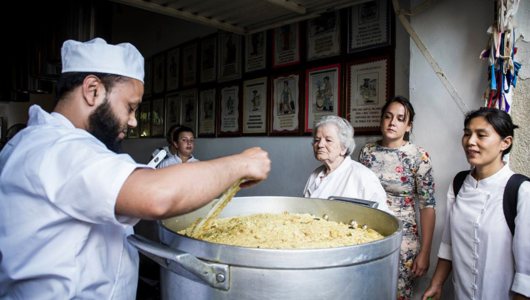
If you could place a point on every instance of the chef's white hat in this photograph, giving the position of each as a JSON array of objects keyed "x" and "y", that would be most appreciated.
[{"x": 98, "y": 56}]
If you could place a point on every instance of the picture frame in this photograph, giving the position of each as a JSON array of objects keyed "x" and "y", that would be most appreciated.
[
  {"x": 255, "y": 96},
  {"x": 158, "y": 74},
  {"x": 256, "y": 51},
  {"x": 229, "y": 56},
  {"x": 368, "y": 89},
  {"x": 207, "y": 113},
  {"x": 190, "y": 52},
  {"x": 286, "y": 45},
  {"x": 322, "y": 94},
  {"x": 285, "y": 109},
  {"x": 134, "y": 132},
  {"x": 189, "y": 109},
  {"x": 148, "y": 77},
  {"x": 369, "y": 26},
  {"x": 145, "y": 119},
  {"x": 208, "y": 62},
  {"x": 173, "y": 69},
  {"x": 173, "y": 106},
  {"x": 229, "y": 110},
  {"x": 157, "y": 117},
  {"x": 324, "y": 36}
]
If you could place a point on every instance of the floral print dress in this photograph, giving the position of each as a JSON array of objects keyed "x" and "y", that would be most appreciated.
[{"x": 406, "y": 175}]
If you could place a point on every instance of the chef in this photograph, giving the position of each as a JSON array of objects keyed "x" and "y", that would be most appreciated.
[{"x": 68, "y": 200}]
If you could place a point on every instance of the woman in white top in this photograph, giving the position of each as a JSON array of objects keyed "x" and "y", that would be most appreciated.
[
  {"x": 184, "y": 142},
  {"x": 488, "y": 262},
  {"x": 340, "y": 175}
]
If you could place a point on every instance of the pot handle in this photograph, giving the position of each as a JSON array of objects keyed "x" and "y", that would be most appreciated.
[
  {"x": 362, "y": 202},
  {"x": 215, "y": 275}
]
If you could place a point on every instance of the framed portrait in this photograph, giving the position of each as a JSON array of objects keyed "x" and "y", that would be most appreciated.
[
  {"x": 229, "y": 103},
  {"x": 255, "y": 106},
  {"x": 158, "y": 74},
  {"x": 286, "y": 45},
  {"x": 172, "y": 109},
  {"x": 145, "y": 119},
  {"x": 285, "y": 104},
  {"x": 256, "y": 51},
  {"x": 369, "y": 25},
  {"x": 229, "y": 56},
  {"x": 208, "y": 64},
  {"x": 133, "y": 133},
  {"x": 369, "y": 87},
  {"x": 189, "y": 109},
  {"x": 157, "y": 117},
  {"x": 189, "y": 64},
  {"x": 173, "y": 69},
  {"x": 323, "y": 36},
  {"x": 148, "y": 78},
  {"x": 322, "y": 94},
  {"x": 207, "y": 113}
]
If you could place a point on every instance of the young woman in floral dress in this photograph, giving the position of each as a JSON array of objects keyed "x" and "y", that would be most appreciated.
[{"x": 406, "y": 174}]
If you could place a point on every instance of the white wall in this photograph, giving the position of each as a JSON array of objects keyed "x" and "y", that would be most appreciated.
[{"x": 455, "y": 33}]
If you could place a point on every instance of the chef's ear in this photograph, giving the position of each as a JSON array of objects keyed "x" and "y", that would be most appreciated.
[{"x": 92, "y": 88}]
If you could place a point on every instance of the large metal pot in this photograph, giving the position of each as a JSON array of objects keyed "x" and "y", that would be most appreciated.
[{"x": 195, "y": 269}]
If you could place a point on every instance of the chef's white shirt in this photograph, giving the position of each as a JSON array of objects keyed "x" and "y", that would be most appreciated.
[
  {"x": 488, "y": 263},
  {"x": 59, "y": 235},
  {"x": 173, "y": 159},
  {"x": 351, "y": 179}
]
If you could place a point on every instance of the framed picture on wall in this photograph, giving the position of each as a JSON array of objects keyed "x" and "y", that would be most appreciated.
[
  {"x": 256, "y": 51},
  {"x": 285, "y": 104},
  {"x": 158, "y": 73},
  {"x": 229, "y": 112},
  {"x": 145, "y": 119},
  {"x": 322, "y": 94},
  {"x": 157, "y": 117},
  {"x": 189, "y": 64},
  {"x": 173, "y": 69},
  {"x": 323, "y": 36},
  {"x": 172, "y": 109},
  {"x": 255, "y": 106},
  {"x": 229, "y": 56},
  {"x": 208, "y": 65},
  {"x": 189, "y": 109},
  {"x": 207, "y": 112},
  {"x": 148, "y": 78},
  {"x": 368, "y": 25},
  {"x": 286, "y": 45},
  {"x": 368, "y": 88}
]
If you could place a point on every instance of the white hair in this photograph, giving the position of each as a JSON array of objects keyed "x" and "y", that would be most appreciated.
[{"x": 345, "y": 131}]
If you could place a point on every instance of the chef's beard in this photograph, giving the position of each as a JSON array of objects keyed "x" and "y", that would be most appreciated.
[{"x": 105, "y": 126}]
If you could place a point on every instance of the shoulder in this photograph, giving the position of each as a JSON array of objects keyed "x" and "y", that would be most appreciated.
[
  {"x": 369, "y": 146},
  {"x": 360, "y": 171},
  {"x": 418, "y": 152}
]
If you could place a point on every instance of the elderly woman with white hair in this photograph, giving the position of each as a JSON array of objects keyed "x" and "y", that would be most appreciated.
[{"x": 339, "y": 175}]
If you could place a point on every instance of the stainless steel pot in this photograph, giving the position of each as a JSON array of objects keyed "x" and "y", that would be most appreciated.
[{"x": 195, "y": 269}]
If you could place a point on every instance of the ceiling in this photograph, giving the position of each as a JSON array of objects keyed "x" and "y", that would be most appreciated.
[{"x": 242, "y": 16}]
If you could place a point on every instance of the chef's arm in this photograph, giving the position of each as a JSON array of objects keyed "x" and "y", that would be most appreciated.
[
  {"x": 519, "y": 297},
  {"x": 157, "y": 194},
  {"x": 443, "y": 269}
]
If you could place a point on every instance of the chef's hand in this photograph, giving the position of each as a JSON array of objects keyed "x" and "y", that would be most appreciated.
[
  {"x": 256, "y": 165},
  {"x": 434, "y": 292},
  {"x": 421, "y": 264}
]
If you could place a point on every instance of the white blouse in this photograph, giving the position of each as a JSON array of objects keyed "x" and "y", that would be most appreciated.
[
  {"x": 351, "y": 179},
  {"x": 488, "y": 263}
]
